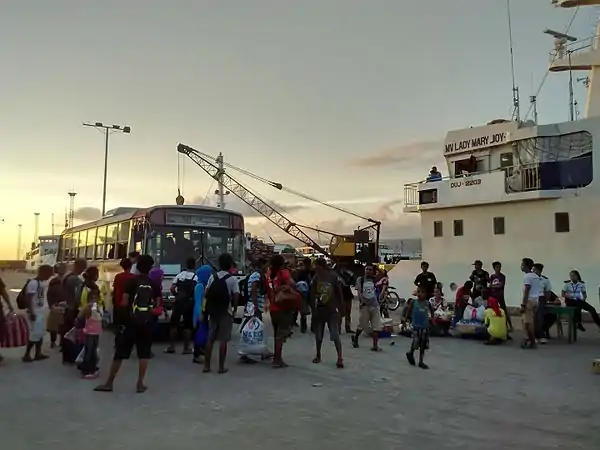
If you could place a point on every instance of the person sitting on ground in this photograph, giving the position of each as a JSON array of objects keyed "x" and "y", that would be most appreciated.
[
  {"x": 495, "y": 322},
  {"x": 463, "y": 295},
  {"x": 575, "y": 294},
  {"x": 441, "y": 316}
]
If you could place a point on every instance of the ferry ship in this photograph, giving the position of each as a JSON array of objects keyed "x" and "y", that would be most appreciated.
[
  {"x": 516, "y": 189},
  {"x": 43, "y": 251}
]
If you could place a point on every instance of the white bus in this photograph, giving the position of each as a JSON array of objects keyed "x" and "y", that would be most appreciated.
[{"x": 169, "y": 233}]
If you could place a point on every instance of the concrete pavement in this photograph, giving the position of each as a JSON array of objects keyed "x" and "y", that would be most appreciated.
[{"x": 473, "y": 397}]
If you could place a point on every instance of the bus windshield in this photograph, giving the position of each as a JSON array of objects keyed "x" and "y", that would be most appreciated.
[{"x": 171, "y": 246}]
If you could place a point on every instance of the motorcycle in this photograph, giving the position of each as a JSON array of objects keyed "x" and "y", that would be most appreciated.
[{"x": 390, "y": 302}]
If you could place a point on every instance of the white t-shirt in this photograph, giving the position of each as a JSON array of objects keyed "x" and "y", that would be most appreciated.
[
  {"x": 185, "y": 275},
  {"x": 232, "y": 284},
  {"x": 546, "y": 286},
  {"x": 536, "y": 289},
  {"x": 36, "y": 288}
]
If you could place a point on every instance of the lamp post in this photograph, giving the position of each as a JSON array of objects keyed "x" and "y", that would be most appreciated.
[{"x": 107, "y": 129}]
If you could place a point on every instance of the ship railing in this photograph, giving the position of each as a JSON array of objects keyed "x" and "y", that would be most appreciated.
[
  {"x": 411, "y": 194},
  {"x": 519, "y": 178}
]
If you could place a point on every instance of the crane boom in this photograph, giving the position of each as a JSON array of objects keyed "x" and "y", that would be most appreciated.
[{"x": 251, "y": 199}]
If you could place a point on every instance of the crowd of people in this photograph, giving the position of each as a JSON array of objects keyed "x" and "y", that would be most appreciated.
[
  {"x": 205, "y": 301},
  {"x": 485, "y": 291},
  {"x": 206, "y": 298}
]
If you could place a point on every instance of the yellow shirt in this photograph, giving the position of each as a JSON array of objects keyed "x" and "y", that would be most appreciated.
[{"x": 496, "y": 324}]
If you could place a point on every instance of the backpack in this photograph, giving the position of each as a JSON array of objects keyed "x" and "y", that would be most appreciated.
[
  {"x": 22, "y": 302},
  {"x": 217, "y": 296},
  {"x": 143, "y": 304},
  {"x": 22, "y": 297},
  {"x": 185, "y": 289},
  {"x": 244, "y": 289}
]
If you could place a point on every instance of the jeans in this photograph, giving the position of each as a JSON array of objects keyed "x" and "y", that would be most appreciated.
[
  {"x": 585, "y": 306},
  {"x": 89, "y": 365}
]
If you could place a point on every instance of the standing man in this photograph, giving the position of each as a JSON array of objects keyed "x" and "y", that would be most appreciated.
[
  {"x": 479, "y": 277},
  {"x": 303, "y": 278},
  {"x": 34, "y": 298},
  {"x": 183, "y": 288},
  {"x": 140, "y": 296},
  {"x": 532, "y": 291},
  {"x": 221, "y": 294},
  {"x": 545, "y": 298},
  {"x": 426, "y": 279},
  {"x": 72, "y": 287},
  {"x": 496, "y": 287},
  {"x": 369, "y": 308},
  {"x": 326, "y": 294},
  {"x": 54, "y": 297},
  {"x": 133, "y": 257}
]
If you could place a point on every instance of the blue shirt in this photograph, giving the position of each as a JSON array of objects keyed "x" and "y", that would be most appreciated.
[{"x": 420, "y": 314}]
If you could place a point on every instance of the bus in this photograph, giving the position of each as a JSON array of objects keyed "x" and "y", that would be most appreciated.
[{"x": 169, "y": 233}]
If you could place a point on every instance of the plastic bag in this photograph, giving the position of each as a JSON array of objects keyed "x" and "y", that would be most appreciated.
[
  {"x": 480, "y": 313},
  {"x": 80, "y": 357},
  {"x": 470, "y": 313},
  {"x": 71, "y": 335},
  {"x": 252, "y": 338}
]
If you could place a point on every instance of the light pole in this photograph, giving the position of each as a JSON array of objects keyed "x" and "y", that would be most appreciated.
[{"x": 106, "y": 129}]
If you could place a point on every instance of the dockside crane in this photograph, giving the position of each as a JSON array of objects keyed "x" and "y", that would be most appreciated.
[{"x": 350, "y": 247}]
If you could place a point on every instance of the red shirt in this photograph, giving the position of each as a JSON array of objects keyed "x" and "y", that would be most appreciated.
[
  {"x": 460, "y": 302},
  {"x": 282, "y": 277},
  {"x": 119, "y": 287}
]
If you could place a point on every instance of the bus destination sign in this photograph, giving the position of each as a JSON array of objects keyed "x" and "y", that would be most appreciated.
[{"x": 210, "y": 219}]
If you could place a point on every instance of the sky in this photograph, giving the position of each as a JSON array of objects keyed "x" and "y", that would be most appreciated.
[{"x": 344, "y": 100}]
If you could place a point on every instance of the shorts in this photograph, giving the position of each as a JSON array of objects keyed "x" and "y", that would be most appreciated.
[
  {"x": 282, "y": 324},
  {"x": 531, "y": 308},
  {"x": 129, "y": 336},
  {"x": 333, "y": 321},
  {"x": 420, "y": 339},
  {"x": 370, "y": 316},
  {"x": 220, "y": 327},
  {"x": 183, "y": 312}
]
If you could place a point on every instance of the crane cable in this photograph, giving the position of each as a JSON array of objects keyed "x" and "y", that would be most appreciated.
[
  {"x": 554, "y": 58},
  {"x": 280, "y": 187}
]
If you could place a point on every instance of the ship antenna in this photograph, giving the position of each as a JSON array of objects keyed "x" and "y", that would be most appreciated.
[
  {"x": 554, "y": 58},
  {"x": 515, "y": 90}
]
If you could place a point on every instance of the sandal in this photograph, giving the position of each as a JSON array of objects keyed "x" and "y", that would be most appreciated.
[
  {"x": 170, "y": 350},
  {"x": 223, "y": 370},
  {"x": 206, "y": 370},
  {"x": 339, "y": 364},
  {"x": 140, "y": 389},
  {"x": 103, "y": 388},
  {"x": 316, "y": 360}
]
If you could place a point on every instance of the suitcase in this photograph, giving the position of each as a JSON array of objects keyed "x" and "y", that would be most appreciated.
[{"x": 16, "y": 332}]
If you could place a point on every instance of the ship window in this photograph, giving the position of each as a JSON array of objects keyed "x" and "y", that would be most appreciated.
[
  {"x": 458, "y": 228},
  {"x": 438, "y": 229},
  {"x": 427, "y": 196},
  {"x": 499, "y": 225},
  {"x": 561, "y": 222}
]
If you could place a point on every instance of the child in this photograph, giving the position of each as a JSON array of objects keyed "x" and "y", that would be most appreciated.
[
  {"x": 92, "y": 315},
  {"x": 421, "y": 314}
]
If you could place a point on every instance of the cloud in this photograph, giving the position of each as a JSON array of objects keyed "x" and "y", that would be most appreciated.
[
  {"x": 87, "y": 213},
  {"x": 235, "y": 204},
  {"x": 409, "y": 155}
]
